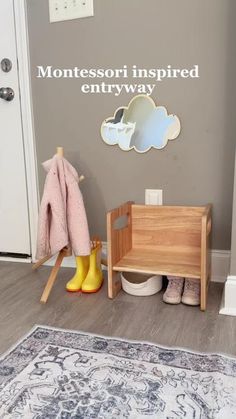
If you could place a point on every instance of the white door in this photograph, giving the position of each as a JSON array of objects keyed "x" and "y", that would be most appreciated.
[{"x": 14, "y": 214}]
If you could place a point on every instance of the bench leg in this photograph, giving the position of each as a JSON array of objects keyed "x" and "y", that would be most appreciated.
[
  {"x": 114, "y": 283},
  {"x": 203, "y": 297}
]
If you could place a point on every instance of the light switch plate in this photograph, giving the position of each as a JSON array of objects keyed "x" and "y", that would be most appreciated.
[
  {"x": 60, "y": 10},
  {"x": 153, "y": 196}
]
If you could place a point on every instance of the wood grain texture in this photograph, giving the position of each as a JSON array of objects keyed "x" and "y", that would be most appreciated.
[
  {"x": 165, "y": 240},
  {"x": 205, "y": 255},
  {"x": 53, "y": 275},
  {"x": 128, "y": 317},
  {"x": 161, "y": 261},
  {"x": 40, "y": 262},
  {"x": 160, "y": 225},
  {"x": 52, "y": 278},
  {"x": 119, "y": 242}
]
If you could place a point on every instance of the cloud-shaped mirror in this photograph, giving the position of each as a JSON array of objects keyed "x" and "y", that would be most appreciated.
[{"x": 140, "y": 126}]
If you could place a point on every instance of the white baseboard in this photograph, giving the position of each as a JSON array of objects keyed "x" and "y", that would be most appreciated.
[
  {"x": 220, "y": 260},
  {"x": 68, "y": 262},
  {"x": 20, "y": 260},
  {"x": 228, "y": 303}
]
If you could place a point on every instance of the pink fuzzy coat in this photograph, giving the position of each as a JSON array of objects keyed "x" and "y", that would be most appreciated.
[{"x": 62, "y": 216}]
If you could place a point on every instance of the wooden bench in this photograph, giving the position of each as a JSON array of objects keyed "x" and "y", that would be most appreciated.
[{"x": 164, "y": 240}]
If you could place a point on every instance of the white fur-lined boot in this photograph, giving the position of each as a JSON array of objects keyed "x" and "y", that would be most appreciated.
[
  {"x": 174, "y": 290},
  {"x": 191, "y": 295}
]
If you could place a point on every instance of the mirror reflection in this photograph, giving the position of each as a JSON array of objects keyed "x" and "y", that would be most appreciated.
[{"x": 140, "y": 126}]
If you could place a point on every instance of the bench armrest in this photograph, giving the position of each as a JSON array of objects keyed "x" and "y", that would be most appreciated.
[
  {"x": 119, "y": 241},
  {"x": 206, "y": 219}
]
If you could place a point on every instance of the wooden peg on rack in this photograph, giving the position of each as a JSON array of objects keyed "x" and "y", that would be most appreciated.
[{"x": 60, "y": 151}]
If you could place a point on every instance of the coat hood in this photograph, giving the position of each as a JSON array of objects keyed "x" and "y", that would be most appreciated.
[{"x": 55, "y": 161}]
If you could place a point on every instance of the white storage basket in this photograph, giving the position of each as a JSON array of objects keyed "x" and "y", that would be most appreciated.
[{"x": 140, "y": 284}]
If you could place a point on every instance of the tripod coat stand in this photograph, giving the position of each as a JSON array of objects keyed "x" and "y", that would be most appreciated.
[{"x": 65, "y": 252}]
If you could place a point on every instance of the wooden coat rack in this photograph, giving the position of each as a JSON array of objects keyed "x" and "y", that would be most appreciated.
[{"x": 63, "y": 253}]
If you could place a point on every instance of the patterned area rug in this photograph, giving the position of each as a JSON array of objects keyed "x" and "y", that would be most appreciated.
[{"x": 54, "y": 373}]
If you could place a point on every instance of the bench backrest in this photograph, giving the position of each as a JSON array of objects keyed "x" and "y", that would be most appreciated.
[{"x": 160, "y": 226}]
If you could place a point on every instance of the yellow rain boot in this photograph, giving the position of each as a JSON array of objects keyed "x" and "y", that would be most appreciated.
[
  {"x": 82, "y": 264},
  {"x": 94, "y": 279}
]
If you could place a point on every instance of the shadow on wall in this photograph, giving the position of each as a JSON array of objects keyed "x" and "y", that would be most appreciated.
[
  {"x": 92, "y": 194},
  {"x": 114, "y": 176},
  {"x": 230, "y": 97},
  {"x": 230, "y": 101}
]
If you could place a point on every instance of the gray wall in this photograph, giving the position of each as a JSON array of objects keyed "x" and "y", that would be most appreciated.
[
  {"x": 233, "y": 239},
  {"x": 194, "y": 169}
]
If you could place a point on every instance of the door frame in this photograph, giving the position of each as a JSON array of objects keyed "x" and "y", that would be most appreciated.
[{"x": 23, "y": 56}]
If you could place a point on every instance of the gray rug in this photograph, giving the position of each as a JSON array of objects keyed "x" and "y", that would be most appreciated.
[{"x": 53, "y": 373}]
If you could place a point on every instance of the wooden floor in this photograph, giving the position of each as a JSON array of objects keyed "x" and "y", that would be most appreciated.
[{"x": 138, "y": 318}]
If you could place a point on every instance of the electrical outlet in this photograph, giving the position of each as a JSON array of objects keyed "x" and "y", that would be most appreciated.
[
  {"x": 60, "y": 10},
  {"x": 153, "y": 196}
]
